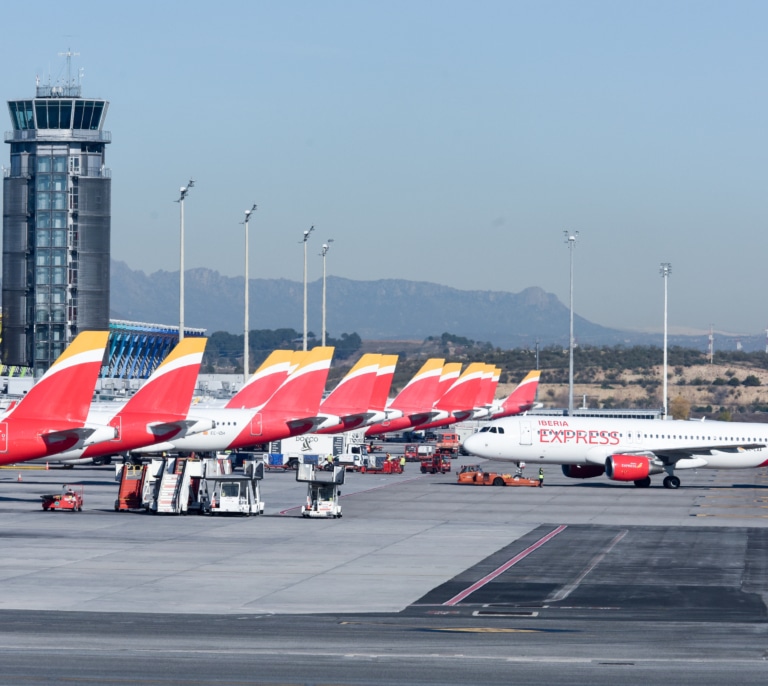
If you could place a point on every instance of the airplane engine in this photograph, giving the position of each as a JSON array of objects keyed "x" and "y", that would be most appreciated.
[
  {"x": 582, "y": 471},
  {"x": 629, "y": 467}
]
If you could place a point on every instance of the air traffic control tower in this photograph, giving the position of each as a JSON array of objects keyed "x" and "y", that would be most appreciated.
[{"x": 56, "y": 225}]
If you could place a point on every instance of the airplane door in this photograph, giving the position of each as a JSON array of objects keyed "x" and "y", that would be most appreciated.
[
  {"x": 525, "y": 433},
  {"x": 256, "y": 427},
  {"x": 117, "y": 422},
  {"x": 3, "y": 437}
]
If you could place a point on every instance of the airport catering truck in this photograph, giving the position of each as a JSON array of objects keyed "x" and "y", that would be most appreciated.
[{"x": 346, "y": 448}]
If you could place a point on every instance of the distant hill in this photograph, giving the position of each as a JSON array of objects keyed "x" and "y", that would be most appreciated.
[{"x": 386, "y": 309}]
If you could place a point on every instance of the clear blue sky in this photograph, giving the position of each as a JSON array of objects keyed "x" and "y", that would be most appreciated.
[{"x": 446, "y": 141}]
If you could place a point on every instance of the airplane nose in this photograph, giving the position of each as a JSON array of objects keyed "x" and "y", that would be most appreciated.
[{"x": 472, "y": 444}]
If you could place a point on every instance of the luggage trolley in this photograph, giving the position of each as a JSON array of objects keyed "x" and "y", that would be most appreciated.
[{"x": 322, "y": 490}]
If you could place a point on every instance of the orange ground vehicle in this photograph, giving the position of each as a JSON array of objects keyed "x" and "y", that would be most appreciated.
[
  {"x": 473, "y": 474},
  {"x": 448, "y": 444}
]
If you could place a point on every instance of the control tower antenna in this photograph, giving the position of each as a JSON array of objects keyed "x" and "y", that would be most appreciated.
[{"x": 69, "y": 55}]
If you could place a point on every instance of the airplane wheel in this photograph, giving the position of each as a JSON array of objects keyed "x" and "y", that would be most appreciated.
[
  {"x": 643, "y": 483},
  {"x": 671, "y": 482},
  {"x": 498, "y": 481}
]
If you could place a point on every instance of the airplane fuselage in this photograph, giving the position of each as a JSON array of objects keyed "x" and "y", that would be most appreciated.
[{"x": 666, "y": 445}]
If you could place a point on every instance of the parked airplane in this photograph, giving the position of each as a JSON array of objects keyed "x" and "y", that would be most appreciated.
[
  {"x": 265, "y": 380},
  {"x": 380, "y": 395},
  {"x": 416, "y": 397},
  {"x": 522, "y": 399},
  {"x": 51, "y": 417},
  {"x": 622, "y": 449},
  {"x": 350, "y": 400},
  {"x": 458, "y": 402},
  {"x": 291, "y": 410},
  {"x": 157, "y": 412}
]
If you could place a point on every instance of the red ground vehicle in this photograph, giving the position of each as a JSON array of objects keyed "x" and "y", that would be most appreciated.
[
  {"x": 69, "y": 500},
  {"x": 473, "y": 474},
  {"x": 435, "y": 464}
]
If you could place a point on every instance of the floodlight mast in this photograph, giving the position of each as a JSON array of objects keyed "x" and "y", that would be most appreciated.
[
  {"x": 306, "y": 238},
  {"x": 665, "y": 271},
  {"x": 247, "y": 325},
  {"x": 570, "y": 239},
  {"x": 324, "y": 252},
  {"x": 184, "y": 190}
]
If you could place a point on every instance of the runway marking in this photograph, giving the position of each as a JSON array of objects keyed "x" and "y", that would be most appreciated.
[
  {"x": 482, "y": 630},
  {"x": 566, "y": 590},
  {"x": 507, "y": 565}
]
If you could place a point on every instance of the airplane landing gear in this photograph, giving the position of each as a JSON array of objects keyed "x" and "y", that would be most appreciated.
[
  {"x": 643, "y": 483},
  {"x": 671, "y": 482}
]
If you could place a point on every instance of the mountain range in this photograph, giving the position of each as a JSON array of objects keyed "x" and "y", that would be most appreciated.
[{"x": 384, "y": 309}]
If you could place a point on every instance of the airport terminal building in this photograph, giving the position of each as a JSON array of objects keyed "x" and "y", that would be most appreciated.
[{"x": 56, "y": 225}]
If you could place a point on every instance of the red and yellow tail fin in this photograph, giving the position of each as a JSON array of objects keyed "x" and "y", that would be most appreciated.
[
  {"x": 169, "y": 389},
  {"x": 65, "y": 391},
  {"x": 264, "y": 381}
]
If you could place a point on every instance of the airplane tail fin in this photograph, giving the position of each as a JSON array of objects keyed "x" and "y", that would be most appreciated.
[
  {"x": 419, "y": 393},
  {"x": 353, "y": 392},
  {"x": 300, "y": 394},
  {"x": 264, "y": 381},
  {"x": 463, "y": 391},
  {"x": 169, "y": 389},
  {"x": 65, "y": 391},
  {"x": 523, "y": 397},
  {"x": 383, "y": 383}
]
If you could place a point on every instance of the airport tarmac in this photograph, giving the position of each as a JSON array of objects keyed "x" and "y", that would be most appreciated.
[{"x": 421, "y": 581}]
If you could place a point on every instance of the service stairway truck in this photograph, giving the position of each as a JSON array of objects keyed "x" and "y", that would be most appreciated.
[
  {"x": 322, "y": 490},
  {"x": 168, "y": 485}
]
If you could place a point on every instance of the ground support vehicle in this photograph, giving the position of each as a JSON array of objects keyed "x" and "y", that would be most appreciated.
[
  {"x": 69, "y": 500},
  {"x": 131, "y": 479},
  {"x": 474, "y": 475},
  {"x": 435, "y": 464},
  {"x": 416, "y": 452},
  {"x": 379, "y": 464},
  {"x": 322, "y": 491},
  {"x": 448, "y": 444},
  {"x": 170, "y": 485},
  {"x": 235, "y": 493}
]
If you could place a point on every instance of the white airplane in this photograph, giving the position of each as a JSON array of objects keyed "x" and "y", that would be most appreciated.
[{"x": 622, "y": 449}]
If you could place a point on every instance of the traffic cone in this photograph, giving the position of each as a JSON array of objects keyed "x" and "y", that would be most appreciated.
[{"x": 19, "y": 479}]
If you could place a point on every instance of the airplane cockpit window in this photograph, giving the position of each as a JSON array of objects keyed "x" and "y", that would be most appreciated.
[
  {"x": 484, "y": 429},
  {"x": 493, "y": 429},
  {"x": 501, "y": 429}
]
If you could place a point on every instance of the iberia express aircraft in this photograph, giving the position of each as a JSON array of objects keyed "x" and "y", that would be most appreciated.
[{"x": 622, "y": 449}]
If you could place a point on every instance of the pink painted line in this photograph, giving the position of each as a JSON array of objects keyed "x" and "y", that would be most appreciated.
[{"x": 509, "y": 563}]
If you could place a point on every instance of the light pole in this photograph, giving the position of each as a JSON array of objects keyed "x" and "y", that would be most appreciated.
[
  {"x": 665, "y": 271},
  {"x": 324, "y": 252},
  {"x": 570, "y": 238},
  {"x": 184, "y": 190},
  {"x": 245, "y": 339},
  {"x": 306, "y": 238}
]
